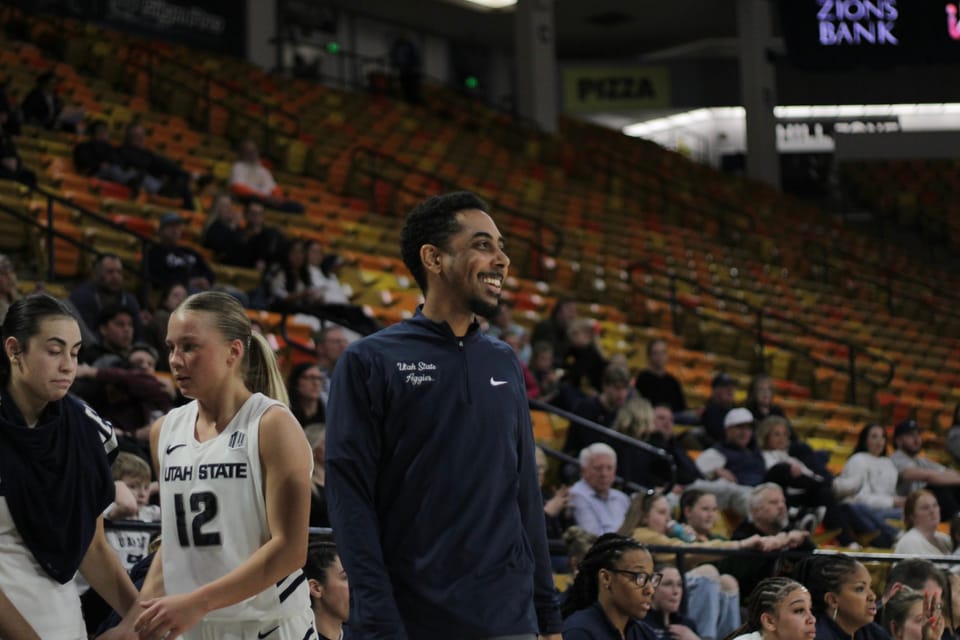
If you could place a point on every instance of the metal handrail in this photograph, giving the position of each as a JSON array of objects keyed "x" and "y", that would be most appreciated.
[
  {"x": 538, "y": 243},
  {"x": 51, "y": 197},
  {"x": 611, "y": 434},
  {"x": 760, "y": 314}
]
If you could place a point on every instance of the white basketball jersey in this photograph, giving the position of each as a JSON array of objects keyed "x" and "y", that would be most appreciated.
[{"x": 214, "y": 513}]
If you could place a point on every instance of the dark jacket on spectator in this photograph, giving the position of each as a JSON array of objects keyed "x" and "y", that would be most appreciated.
[{"x": 90, "y": 154}]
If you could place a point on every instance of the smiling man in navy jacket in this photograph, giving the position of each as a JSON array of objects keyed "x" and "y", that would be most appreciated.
[{"x": 431, "y": 475}]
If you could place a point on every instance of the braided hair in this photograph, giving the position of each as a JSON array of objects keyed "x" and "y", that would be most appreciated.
[
  {"x": 602, "y": 555},
  {"x": 823, "y": 575},
  {"x": 765, "y": 598}
]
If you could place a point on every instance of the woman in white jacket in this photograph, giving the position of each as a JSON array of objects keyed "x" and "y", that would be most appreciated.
[{"x": 873, "y": 468}]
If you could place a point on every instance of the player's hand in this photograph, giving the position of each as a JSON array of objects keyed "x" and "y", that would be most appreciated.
[
  {"x": 552, "y": 636},
  {"x": 168, "y": 617}
]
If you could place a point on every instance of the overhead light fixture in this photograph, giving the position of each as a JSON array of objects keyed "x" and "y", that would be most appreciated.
[{"x": 486, "y": 5}]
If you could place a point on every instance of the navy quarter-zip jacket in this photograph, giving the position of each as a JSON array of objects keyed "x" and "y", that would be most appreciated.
[{"x": 432, "y": 487}]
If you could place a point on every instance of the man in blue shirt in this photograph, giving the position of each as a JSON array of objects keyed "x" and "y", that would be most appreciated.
[
  {"x": 430, "y": 468},
  {"x": 598, "y": 508}
]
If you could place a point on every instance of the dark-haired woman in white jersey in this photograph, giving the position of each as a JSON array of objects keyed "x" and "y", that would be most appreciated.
[{"x": 234, "y": 468}]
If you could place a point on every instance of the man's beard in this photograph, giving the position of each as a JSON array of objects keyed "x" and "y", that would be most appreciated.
[{"x": 483, "y": 308}]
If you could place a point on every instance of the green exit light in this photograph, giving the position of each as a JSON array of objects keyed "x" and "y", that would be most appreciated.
[
  {"x": 333, "y": 47},
  {"x": 471, "y": 82}
]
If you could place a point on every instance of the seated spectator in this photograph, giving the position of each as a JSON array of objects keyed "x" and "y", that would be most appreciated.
[
  {"x": 502, "y": 322},
  {"x": 250, "y": 180},
  {"x": 840, "y": 596},
  {"x": 583, "y": 362},
  {"x": 921, "y": 515},
  {"x": 516, "y": 343},
  {"x": 305, "y": 388},
  {"x": 611, "y": 593},
  {"x": 543, "y": 372},
  {"x": 760, "y": 397},
  {"x": 316, "y": 435},
  {"x": 105, "y": 289},
  {"x": 158, "y": 175},
  {"x": 329, "y": 590},
  {"x": 598, "y": 508},
  {"x": 768, "y": 517},
  {"x": 806, "y": 489},
  {"x": 222, "y": 233},
  {"x": 11, "y": 166},
  {"x": 951, "y": 598},
  {"x": 554, "y": 329},
  {"x": 699, "y": 511},
  {"x": 913, "y": 615},
  {"x": 323, "y": 269},
  {"x": 717, "y": 596},
  {"x": 779, "y": 610},
  {"x": 664, "y": 617},
  {"x": 156, "y": 330},
  {"x": 871, "y": 468},
  {"x": 129, "y": 395},
  {"x": 919, "y": 472},
  {"x": 10, "y": 120},
  {"x": 263, "y": 243},
  {"x": 578, "y": 543},
  {"x": 917, "y": 573},
  {"x": 658, "y": 385},
  {"x": 953, "y": 435},
  {"x": 331, "y": 342},
  {"x": 98, "y": 158},
  {"x": 730, "y": 495},
  {"x": 735, "y": 458},
  {"x": 42, "y": 107},
  {"x": 722, "y": 389},
  {"x": 131, "y": 545},
  {"x": 9, "y": 291},
  {"x": 556, "y": 501},
  {"x": 290, "y": 280},
  {"x": 333, "y": 298},
  {"x": 115, "y": 330},
  {"x": 132, "y": 475},
  {"x": 169, "y": 261},
  {"x": 601, "y": 408}
]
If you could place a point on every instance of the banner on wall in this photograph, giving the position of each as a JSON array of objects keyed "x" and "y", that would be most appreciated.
[
  {"x": 218, "y": 25},
  {"x": 591, "y": 89}
]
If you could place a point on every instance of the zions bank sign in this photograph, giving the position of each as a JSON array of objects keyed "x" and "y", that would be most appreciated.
[
  {"x": 858, "y": 22},
  {"x": 591, "y": 89},
  {"x": 833, "y": 34}
]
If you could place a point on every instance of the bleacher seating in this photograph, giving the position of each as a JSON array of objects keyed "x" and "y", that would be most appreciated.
[{"x": 631, "y": 214}]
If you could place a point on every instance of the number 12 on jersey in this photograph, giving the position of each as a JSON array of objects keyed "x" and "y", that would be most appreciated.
[{"x": 203, "y": 509}]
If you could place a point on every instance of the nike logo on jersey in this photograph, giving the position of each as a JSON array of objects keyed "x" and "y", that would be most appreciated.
[
  {"x": 496, "y": 383},
  {"x": 174, "y": 447},
  {"x": 261, "y": 634}
]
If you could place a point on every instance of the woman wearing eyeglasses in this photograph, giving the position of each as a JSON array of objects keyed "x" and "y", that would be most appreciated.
[
  {"x": 612, "y": 592},
  {"x": 305, "y": 387}
]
